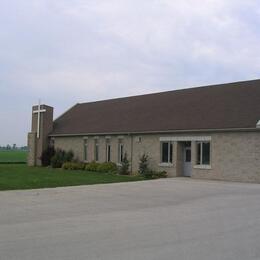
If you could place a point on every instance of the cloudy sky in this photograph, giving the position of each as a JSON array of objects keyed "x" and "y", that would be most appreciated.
[{"x": 69, "y": 51}]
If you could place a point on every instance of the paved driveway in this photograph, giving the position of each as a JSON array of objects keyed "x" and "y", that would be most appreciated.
[{"x": 162, "y": 219}]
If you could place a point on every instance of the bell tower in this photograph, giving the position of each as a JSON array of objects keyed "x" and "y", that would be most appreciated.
[{"x": 42, "y": 124}]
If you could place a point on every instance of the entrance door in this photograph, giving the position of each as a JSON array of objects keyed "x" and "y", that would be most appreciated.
[{"x": 187, "y": 161}]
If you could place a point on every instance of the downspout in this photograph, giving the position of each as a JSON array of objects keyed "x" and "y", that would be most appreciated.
[{"x": 131, "y": 167}]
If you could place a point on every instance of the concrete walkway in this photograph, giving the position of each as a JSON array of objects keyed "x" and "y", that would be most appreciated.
[{"x": 162, "y": 219}]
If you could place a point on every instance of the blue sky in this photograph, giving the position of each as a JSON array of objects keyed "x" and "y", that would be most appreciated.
[{"x": 69, "y": 51}]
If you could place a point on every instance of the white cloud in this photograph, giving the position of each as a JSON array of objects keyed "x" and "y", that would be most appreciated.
[{"x": 69, "y": 51}]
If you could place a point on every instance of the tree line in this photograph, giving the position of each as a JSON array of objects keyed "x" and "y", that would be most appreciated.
[{"x": 13, "y": 147}]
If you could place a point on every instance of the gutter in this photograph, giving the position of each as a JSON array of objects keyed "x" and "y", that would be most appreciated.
[
  {"x": 161, "y": 132},
  {"x": 132, "y": 148}
]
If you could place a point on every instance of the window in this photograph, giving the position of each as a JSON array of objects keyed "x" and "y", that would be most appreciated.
[
  {"x": 96, "y": 155},
  {"x": 85, "y": 148},
  {"x": 52, "y": 142},
  {"x": 108, "y": 151},
  {"x": 188, "y": 154},
  {"x": 166, "y": 152},
  {"x": 120, "y": 151},
  {"x": 203, "y": 153}
]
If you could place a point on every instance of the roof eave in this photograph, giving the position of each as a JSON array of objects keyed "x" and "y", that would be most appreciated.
[{"x": 160, "y": 132}]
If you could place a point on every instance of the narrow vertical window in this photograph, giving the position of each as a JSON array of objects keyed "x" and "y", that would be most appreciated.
[
  {"x": 96, "y": 151},
  {"x": 203, "y": 153},
  {"x": 198, "y": 153},
  {"x": 52, "y": 142},
  {"x": 166, "y": 152},
  {"x": 206, "y": 153},
  {"x": 108, "y": 151},
  {"x": 171, "y": 152},
  {"x": 120, "y": 151},
  {"x": 85, "y": 147}
]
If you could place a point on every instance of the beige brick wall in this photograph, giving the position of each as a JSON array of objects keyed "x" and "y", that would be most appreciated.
[
  {"x": 234, "y": 156},
  {"x": 71, "y": 143},
  {"x": 150, "y": 145},
  {"x": 77, "y": 145}
]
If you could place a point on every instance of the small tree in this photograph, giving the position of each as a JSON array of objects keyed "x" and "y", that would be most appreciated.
[
  {"x": 61, "y": 157},
  {"x": 143, "y": 164},
  {"x": 124, "y": 169}
]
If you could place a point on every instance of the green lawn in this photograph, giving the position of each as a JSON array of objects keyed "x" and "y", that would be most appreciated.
[
  {"x": 13, "y": 156},
  {"x": 20, "y": 176}
]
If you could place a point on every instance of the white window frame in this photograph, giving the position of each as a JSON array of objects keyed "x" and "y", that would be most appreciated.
[
  {"x": 108, "y": 152},
  {"x": 200, "y": 163},
  {"x": 52, "y": 142},
  {"x": 170, "y": 158},
  {"x": 120, "y": 152},
  {"x": 96, "y": 150},
  {"x": 85, "y": 149}
]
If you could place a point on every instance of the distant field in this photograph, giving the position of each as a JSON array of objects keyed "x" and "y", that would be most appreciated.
[{"x": 13, "y": 156}]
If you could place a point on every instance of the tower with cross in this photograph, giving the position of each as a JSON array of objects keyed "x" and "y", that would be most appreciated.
[{"x": 42, "y": 125}]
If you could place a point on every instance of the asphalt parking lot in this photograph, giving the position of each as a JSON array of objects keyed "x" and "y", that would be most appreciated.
[{"x": 161, "y": 219}]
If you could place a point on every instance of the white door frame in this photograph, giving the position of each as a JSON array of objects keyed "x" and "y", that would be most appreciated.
[{"x": 186, "y": 161}]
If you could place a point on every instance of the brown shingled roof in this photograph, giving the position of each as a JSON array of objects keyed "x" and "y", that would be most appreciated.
[{"x": 233, "y": 105}]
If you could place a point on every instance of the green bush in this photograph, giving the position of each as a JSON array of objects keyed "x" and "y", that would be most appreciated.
[
  {"x": 155, "y": 175},
  {"x": 124, "y": 168},
  {"x": 148, "y": 173},
  {"x": 61, "y": 157},
  {"x": 73, "y": 166},
  {"x": 69, "y": 156},
  {"x": 92, "y": 166},
  {"x": 107, "y": 167},
  {"x": 143, "y": 164}
]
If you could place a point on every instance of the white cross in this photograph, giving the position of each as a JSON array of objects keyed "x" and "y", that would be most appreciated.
[{"x": 39, "y": 111}]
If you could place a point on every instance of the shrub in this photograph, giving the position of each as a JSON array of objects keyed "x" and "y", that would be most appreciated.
[
  {"x": 155, "y": 175},
  {"x": 73, "y": 166},
  {"x": 61, "y": 157},
  {"x": 107, "y": 167},
  {"x": 124, "y": 168},
  {"x": 68, "y": 156},
  {"x": 46, "y": 156},
  {"x": 92, "y": 167},
  {"x": 57, "y": 159},
  {"x": 143, "y": 164},
  {"x": 148, "y": 173}
]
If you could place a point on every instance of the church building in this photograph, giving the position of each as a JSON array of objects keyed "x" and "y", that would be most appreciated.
[{"x": 210, "y": 132}]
